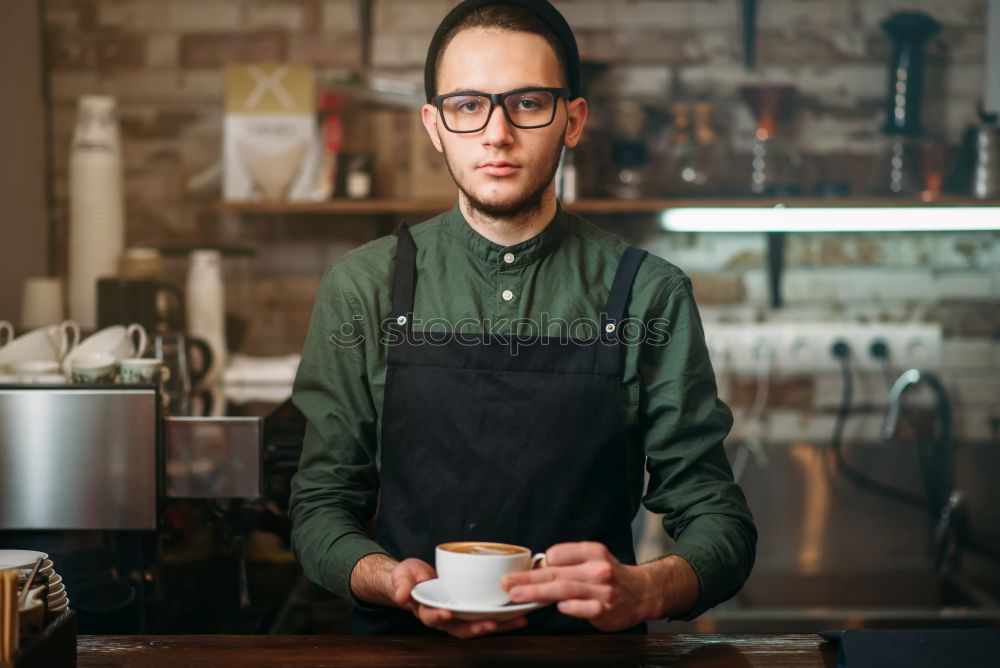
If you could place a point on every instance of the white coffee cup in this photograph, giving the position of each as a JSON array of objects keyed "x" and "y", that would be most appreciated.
[
  {"x": 6, "y": 333},
  {"x": 471, "y": 571},
  {"x": 34, "y": 368},
  {"x": 144, "y": 371},
  {"x": 51, "y": 343},
  {"x": 94, "y": 368},
  {"x": 45, "y": 379},
  {"x": 117, "y": 341}
]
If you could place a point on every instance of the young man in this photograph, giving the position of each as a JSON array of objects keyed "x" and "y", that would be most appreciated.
[{"x": 450, "y": 379}]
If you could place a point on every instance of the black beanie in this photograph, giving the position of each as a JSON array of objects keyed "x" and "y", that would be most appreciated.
[{"x": 545, "y": 11}]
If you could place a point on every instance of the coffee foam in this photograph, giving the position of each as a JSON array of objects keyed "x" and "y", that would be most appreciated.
[
  {"x": 472, "y": 547},
  {"x": 479, "y": 549}
]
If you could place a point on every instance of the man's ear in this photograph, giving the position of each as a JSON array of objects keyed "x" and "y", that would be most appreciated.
[
  {"x": 429, "y": 117},
  {"x": 576, "y": 112}
]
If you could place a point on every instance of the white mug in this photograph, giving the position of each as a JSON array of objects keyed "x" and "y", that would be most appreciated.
[
  {"x": 34, "y": 368},
  {"x": 6, "y": 332},
  {"x": 50, "y": 343},
  {"x": 471, "y": 571},
  {"x": 144, "y": 371},
  {"x": 117, "y": 341},
  {"x": 94, "y": 368}
]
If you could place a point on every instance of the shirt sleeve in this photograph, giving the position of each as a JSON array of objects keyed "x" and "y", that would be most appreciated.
[
  {"x": 690, "y": 480},
  {"x": 335, "y": 491}
]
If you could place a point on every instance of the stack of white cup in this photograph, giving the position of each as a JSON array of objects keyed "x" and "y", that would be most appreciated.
[{"x": 96, "y": 229}]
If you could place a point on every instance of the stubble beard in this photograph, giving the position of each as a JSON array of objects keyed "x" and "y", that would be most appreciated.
[{"x": 520, "y": 206}]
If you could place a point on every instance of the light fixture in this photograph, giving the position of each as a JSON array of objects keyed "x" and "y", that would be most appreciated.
[{"x": 831, "y": 219}]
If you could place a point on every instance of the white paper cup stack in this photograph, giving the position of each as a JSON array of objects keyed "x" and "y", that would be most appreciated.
[{"x": 97, "y": 221}]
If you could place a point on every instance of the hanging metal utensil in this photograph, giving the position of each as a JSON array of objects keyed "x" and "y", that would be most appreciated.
[
  {"x": 379, "y": 90},
  {"x": 748, "y": 13}
]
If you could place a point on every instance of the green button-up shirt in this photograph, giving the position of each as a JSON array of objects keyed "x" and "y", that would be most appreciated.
[{"x": 675, "y": 422}]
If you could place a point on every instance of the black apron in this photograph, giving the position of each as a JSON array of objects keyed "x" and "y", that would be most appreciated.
[{"x": 484, "y": 441}]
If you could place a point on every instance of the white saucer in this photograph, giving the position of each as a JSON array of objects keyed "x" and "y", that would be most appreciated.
[
  {"x": 432, "y": 593},
  {"x": 20, "y": 558}
]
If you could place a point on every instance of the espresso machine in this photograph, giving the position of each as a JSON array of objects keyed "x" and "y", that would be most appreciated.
[{"x": 87, "y": 472}]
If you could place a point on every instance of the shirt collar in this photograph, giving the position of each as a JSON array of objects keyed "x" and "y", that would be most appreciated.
[{"x": 524, "y": 252}]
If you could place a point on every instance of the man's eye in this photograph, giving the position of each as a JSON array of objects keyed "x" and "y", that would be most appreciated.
[
  {"x": 469, "y": 105},
  {"x": 527, "y": 104}
]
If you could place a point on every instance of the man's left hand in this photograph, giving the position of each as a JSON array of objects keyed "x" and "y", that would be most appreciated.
[{"x": 587, "y": 581}]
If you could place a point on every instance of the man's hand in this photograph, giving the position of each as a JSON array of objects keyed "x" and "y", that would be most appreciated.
[
  {"x": 396, "y": 584},
  {"x": 588, "y": 582},
  {"x": 412, "y": 572}
]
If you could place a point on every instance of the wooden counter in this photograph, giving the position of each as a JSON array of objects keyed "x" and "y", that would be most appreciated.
[{"x": 231, "y": 651}]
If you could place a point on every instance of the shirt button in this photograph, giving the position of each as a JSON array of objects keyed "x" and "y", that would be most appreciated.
[
  {"x": 508, "y": 257},
  {"x": 507, "y": 295}
]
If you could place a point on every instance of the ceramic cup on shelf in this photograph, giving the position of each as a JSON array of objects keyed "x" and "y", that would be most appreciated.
[
  {"x": 33, "y": 370},
  {"x": 6, "y": 333},
  {"x": 118, "y": 341},
  {"x": 52, "y": 343},
  {"x": 44, "y": 379},
  {"x": 94, "y": 368},
  {"x": 144, "y": 371}
]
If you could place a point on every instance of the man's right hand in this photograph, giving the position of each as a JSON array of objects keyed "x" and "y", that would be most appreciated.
[{"x": 395, "y": 581}]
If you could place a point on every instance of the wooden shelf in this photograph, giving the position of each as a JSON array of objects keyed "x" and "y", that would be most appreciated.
[
  {"x": 583, "y": 206},
  {"x": 339, "y": 207}
]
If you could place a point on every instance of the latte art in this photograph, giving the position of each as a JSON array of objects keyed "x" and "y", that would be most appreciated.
[
  {"x": 475, "y": 547},
  {"x": 481, "y": 549}
]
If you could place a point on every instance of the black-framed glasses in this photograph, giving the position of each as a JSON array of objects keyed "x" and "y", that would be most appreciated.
[{"x": 525, "y": 108}]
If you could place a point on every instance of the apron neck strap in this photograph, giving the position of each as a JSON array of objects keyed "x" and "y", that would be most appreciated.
[
  {"x": 404, "y": 276},
  {"x": 614, "y": 310}
]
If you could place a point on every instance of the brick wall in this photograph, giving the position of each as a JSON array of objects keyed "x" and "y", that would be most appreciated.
[{"x": 162, "y": 60}]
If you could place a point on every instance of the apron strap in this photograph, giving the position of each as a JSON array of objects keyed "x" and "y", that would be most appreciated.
[
  {"x": 614, "y": 311},
  {"x": 404, "y": 277}
]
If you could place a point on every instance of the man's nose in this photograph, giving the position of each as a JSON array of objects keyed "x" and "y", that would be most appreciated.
[{"x": 498, "y": 130}]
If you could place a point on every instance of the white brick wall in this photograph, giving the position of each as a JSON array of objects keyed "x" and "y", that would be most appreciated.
[
  {"x": 200, "y": 15},
  {"x": 583, "y": 14},
  {"x": 134, "y": 15},
  {"x": 712, "y": 14},
  {"x": 287, "y": 16},
  {"x": 339, "y": 15},
  {"x": 405, "y": 16},
  {"x": 161, "y": 50}
]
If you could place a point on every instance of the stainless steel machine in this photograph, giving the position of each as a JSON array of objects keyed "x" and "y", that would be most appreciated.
[
  {"x": 86, "y": 464},
  {"x": 93, "y": 457}
]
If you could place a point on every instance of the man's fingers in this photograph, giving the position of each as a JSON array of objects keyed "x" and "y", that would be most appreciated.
[
  {"x": 583, "y": 608},
  {"x": 594, "y": 572},
  {"x": 404, "y": 583},
  {"x": 407, "y": 575},
  {"x": 567, "y": 554},
  {"x": 433, "y": 616},
  {"x": 560, "y": 590},
  {"x": 402, "y": 586}
]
